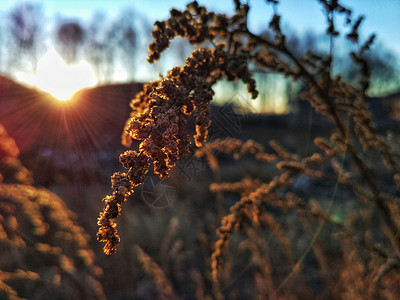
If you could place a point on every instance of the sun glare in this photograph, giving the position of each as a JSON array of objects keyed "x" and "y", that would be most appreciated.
[{"x": 54, "y": 76}]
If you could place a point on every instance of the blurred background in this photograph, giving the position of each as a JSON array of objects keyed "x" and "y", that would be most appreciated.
[{"x": 68, "y": 70}]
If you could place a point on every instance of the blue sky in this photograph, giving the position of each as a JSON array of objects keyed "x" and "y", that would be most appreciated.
[{"x": 383, "y": 17}]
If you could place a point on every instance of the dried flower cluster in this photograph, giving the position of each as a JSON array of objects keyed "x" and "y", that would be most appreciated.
[
  {"x": 254, "y": 194},
  {"x": 8, "y": 147},
  {"x": 159, "y": 120},
  {"x": 357, "y": 161},
  {"x": 11, "y": 169},
  {"x": 36, "y": 222},
  {"x": 45, "y": 247},
  {"x": 154, "y": 270}
]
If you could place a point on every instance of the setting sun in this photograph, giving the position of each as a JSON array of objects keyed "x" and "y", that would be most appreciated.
[{"x": 59, "y": 79}]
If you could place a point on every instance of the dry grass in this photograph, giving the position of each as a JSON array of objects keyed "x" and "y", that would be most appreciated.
[
  {"x": 270, "y": 209},
  {"x": 324, "y": 225},
  {"x": 45, "y": 252}
]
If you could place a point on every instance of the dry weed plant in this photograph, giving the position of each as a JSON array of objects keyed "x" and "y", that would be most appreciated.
[
  {"x": 357, "y": 257},
  {"x": 45, "y": 253}
]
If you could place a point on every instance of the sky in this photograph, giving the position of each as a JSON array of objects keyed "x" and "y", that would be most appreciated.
[{"x": 382, "y": 18}]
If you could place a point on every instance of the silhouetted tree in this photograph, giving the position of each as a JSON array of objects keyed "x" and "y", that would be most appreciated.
[
  {"x": 126, "y": 40},
  {"x": 24, "y": 29},
  {"x": 98, "y": 48},
  {"x": 109, "y": 42},
  {"x": 69, "y": 36}
]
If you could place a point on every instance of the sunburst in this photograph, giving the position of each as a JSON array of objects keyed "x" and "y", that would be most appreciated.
[{"x": 56, "y": 77}]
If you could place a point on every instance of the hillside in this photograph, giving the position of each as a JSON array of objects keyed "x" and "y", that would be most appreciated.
[
  {"x": 56, "y": 135},
  {"x": 82, "y": 135}
]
